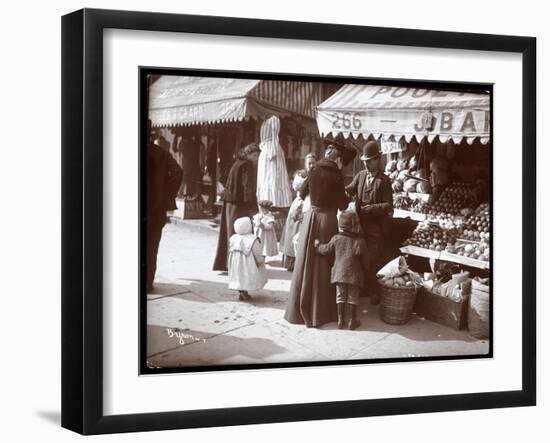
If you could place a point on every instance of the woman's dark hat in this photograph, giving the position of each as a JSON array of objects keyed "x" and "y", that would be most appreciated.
[
  {"x": 348, "y": 153},
  {"x": 249, "y": 149},
  {"x": 370, "y": 151},
  {"x": 265, "y": 204}
]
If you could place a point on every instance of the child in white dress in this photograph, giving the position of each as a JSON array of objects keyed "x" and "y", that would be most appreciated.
[
  {"x": 246, "y": 267},
  {"x": 293, "y": 221},
  {"x": 264, "y": 228}
]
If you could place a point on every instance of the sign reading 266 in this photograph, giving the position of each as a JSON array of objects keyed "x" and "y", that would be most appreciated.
[{"x": 346, "y": 120}]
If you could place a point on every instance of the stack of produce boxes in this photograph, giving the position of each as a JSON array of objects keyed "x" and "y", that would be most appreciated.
[{"x": 454, "y": 230}]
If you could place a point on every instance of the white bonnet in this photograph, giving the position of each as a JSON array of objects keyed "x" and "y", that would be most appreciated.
[
  {"x": 243, "y": 226},
  {"x": 298, "y": 183}
]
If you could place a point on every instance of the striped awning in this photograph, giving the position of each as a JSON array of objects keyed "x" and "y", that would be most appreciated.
[
  {"x": 393, "y": 112},
  {"x": 177, "y": 100}
]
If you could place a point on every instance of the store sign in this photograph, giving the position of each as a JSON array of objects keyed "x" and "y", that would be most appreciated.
[
  {"x": 459, "y": 122},
  {"x": 391, "y": 146},
  {"x": 462, "y": 122},
  {"x": 347, "y": 120}
]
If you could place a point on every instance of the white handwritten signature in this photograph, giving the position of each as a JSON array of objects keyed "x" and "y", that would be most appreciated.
[{"x": 183, "y": 337}]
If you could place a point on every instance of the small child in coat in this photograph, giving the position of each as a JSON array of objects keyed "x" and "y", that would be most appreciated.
[
  {"x": 293, "y": 221},
  {"x": 246, "y": 268},
  {"x": 264, "y": 228},
  {"x": 350, "y": 263}
]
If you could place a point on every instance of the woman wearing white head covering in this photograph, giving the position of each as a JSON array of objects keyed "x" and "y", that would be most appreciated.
[{"x": 273, "y": 183}]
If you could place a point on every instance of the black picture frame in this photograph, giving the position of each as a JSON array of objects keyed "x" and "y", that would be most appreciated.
[{"x": 82, "y": 220}]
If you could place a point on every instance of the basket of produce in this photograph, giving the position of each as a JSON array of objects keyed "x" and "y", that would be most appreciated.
[{"x": 397, "y": 292}]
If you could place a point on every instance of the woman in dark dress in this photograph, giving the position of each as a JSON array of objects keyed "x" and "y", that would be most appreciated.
[
  {"x": 312, "y": 298},
  {"x": 239, "y": 199}
]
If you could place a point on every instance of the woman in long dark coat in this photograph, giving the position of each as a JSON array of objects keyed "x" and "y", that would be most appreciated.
[
  {"x": 312, "y": 298},
  {"x": 239, "y": 199}
]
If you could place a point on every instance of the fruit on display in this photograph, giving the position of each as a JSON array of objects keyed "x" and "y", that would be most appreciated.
[
  {"x": 391, "y": 166},
  {"x": 401, "y": 201},
  {"x": 406, "y": 203},
  {"x": 410, "y": 185},
  {"x": 420, "y": 206},
  {"x": 477, "y": 226},
  {"x": 447, "y": 222},
  {"x": 474, "y": 236},
  {"x": 453, "y": 199},
  {"x": 402, "y": 281},
  {"x": 475, "y": 250},
  {"x": 393, "y": 175},
  {"x": 401, "y": 165},
  {"x": 408, "y": 176},
  {"x": 402, "y": 176},
  {"x": 431, "y": 236},
  {"x": 424, "y": 187},
  {"x": 397, "y": 186}
]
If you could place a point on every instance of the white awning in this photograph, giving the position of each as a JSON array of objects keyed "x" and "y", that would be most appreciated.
[
  {"x": 388, "y": 111},
  {"x": 178, "y": 100}
]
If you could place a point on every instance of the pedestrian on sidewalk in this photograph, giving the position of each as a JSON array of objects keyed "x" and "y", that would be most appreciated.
[
  {"x": 272, "y": 181},
  {"x": 311, "y": 296},
  {"x": 246, "y": 262},
  {"x": 349, "y": 251},
  {"x": 264, "y": 228},
  {"x": 163, "y": 181},
  {"x": 239, "y": 199},
  {"x": 293, "y": 220},
  {"x": 372, "y": 192}
]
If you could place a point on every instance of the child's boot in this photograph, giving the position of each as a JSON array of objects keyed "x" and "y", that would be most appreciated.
[
  {"x": 243, "y": 295},
  {"x": 353, "y": 323},
  {"x": 341, "y": 315}
]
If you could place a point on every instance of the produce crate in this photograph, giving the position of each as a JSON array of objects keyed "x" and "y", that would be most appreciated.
[
  {"x": 468, "y": 261},
  {"x": 419, "y": 196},
  {"x": 441, "y": 310},
  {"x": 478, "y": 312},
  {"x": 190, "y": 209},
  {"x": 402, "y": 213},
  {"x": 420, "y": 252}
]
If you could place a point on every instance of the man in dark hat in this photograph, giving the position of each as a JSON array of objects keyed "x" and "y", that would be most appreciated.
[
  {"x": 374, "y": 205},
  {"x": 163, "y": 181}
]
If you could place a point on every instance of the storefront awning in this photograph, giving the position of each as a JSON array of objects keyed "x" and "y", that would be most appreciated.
[
  {"x": 177, "y": 100},
  {"x": 395, "y": 112}
]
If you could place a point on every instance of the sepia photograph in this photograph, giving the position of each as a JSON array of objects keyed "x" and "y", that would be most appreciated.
[{"x": 290, "y": 221}]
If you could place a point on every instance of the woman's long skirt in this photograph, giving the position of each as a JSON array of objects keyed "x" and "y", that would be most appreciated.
[
  {"x": 230, "y": 213},
  {"x": 312, "y": 298}
]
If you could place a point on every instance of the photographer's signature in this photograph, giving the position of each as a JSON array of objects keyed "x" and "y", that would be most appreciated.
[{"x": 183, "y": 337}]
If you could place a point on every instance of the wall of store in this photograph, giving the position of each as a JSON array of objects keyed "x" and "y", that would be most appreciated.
[{"x": 31, "y": 207}]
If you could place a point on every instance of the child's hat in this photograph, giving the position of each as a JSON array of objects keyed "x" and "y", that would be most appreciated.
[
  {"x": 346, "y": 221},
  {"x": 265, "y": 204},
  {"x": 243, "y": 226},
  {"x": 298, "y": 183}
]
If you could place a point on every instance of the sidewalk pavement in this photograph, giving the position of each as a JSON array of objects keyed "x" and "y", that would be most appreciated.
[{"x": 193, "y": 319}]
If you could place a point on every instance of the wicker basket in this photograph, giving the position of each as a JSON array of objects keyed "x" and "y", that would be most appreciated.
[{"x": 396, "y": 304}]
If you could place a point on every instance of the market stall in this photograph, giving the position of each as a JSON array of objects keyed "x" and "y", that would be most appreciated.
[
  {"x": 436, "y": 146},
  {"x": 227, "y": 114}
]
